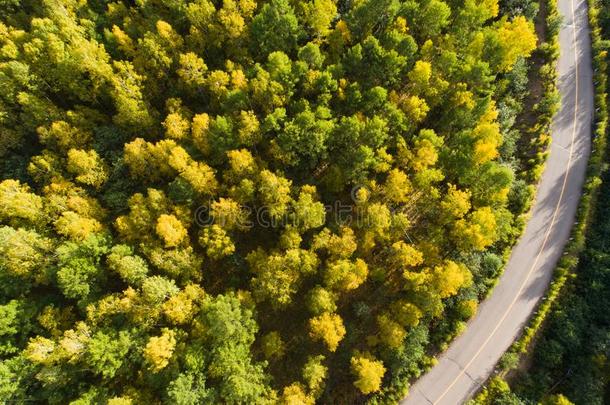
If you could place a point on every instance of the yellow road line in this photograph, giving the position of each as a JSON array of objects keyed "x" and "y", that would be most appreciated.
[{"x": 548, "y": 232}]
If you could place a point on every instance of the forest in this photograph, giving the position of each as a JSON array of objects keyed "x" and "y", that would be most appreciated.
[{"x": 248, "y": 201}]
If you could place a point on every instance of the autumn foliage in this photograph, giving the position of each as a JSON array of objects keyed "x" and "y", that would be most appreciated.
[{"x": 248, "y": 201}]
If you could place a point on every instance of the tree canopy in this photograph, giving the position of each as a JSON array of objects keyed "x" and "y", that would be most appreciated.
[{"x": 247, "y": 201}]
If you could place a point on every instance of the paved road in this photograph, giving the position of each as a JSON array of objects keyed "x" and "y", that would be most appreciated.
[{"x": 470, "y": 359}]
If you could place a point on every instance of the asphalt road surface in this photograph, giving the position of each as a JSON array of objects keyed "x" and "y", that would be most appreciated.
[{"x": 471, "y": 358}]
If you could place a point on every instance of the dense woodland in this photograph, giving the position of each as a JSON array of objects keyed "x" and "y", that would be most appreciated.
[{"x": 248, "y": 201}]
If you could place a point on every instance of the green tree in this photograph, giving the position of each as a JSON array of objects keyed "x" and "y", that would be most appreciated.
[{"x": 274, "y": 28}]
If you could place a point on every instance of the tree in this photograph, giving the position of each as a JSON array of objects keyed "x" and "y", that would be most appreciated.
[
  {"x": 368, "y": 372},
  {"x": 229, "y": 215},
  {"x": 342, "y": 246},
  {"x": 391, "y": 333},
  {"x": 87, "y": 166},
  {"x": 181, "y": 308},
  {"x": 130, "y": 267},
  {"x": 307, "y": 213},
  {"x": 188, "y": 389},
  {"x": 18, "y": 205},
  {"x": 406, "y": 313},
  {"x": 192, "y": 71},
  {"x": 278, "y": 277},
  {"x": 176, "y": 126},
  {"x": 477, "y": 231},
  {"x": 328, "y": 328},
  {"x": 344, "y": 275},
  {"x": 405, "y": 256},
  {"x": 318, "y": 15},
  {"x": 274, "y": 28},
  {"x": 273, "y": 345},
  {"x": 159, "y": 349},
  {"x": 321, "y": 300},
  {"x": 450, "y": 277},
  {"x": 228, "y": 332},
  {"x": 24, "y": 253},
  {"x": 506, "y": 32},
  {"x": 170, "y": 230},
  {"x": 456, "y": 203},
  {"x": 557, "y": 399},
  {"x": 216, "y": 241},
  {"x": 294, "y": 395},
  {"x": 314, "y": 373},
  {"x": 156, "y": 289},
  {"x": 106, "y": 352},
  {"x": 274, "y": 193},
  {"x": 349, "y": 164},
  {"x": 305, "y": 137},
  {"x": 397, "y": 187}
]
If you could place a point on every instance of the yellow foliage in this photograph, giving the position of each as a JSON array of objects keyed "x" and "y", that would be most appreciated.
[
  {"x": 450, "y": 277},
  {"x": 63, "y": 135},
  {"x": 406, "y": 313},
  {"x": 123, "y": 40},
  {"x": 217, "y": 82},
  {"x": 368, "y": 372},
  {"x": 456, "y": 203},
  {"x": 180, "y": 308},
  {"x": 517, "y": 39},
  {"x": 159, "y": 350},
  {"x": 120, "y": 401},
  {"x": 328, "y": 328},
  {"x": 478, "y": 231},
  {"x": 248, "y": 131},
  {"x": 199, "y": 130},
  {"x": 73, "y": 344},
  {"x": 319, "y": 15},
  {"x": 295, "y": 395},
  {"x": 344, "y": 31},
  {"x": 273, "y": 346},
  {"x": 40, "y": 350},
  {"x": 201, "y": 177},
  {"x": 405, "y": 255},
  {"x": 192, "y": 70},
  {"x": 414, "y": 107},
  {"x": 167, "y": 32},
  {"x": 150, "y": 161},
  {"x": 18, "y": 203},
  {"x": 420, "y": 75},
  {"x": 75, "y": 226},
  {"x": 391, "y": 333},
  {"x": 176, "y": 126},
  {"x": 397, "y": 186},
  {"x": 242, "y": 164},
  {"x": 171, "y": 230},
  {"x": 229, "y": 214},
  {"x": 88, "y": 167}
]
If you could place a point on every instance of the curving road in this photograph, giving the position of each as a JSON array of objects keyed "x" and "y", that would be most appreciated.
[{"x": 471, "y": 358}]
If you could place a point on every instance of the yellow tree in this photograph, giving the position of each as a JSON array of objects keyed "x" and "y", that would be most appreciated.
[
  {"x": 345, "y": 275},
  {"x": 327, "y": 328},
  {"x": 368, "y": 372},
  {"x": 18, "y": 204},
  {"x": 87, "y": 166},
  {"x": 170, "y": 230},
  {"x": 448, "y": 278},
  {"x": 159, "y": 349},
  {"x": 477, "y": 231}
]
